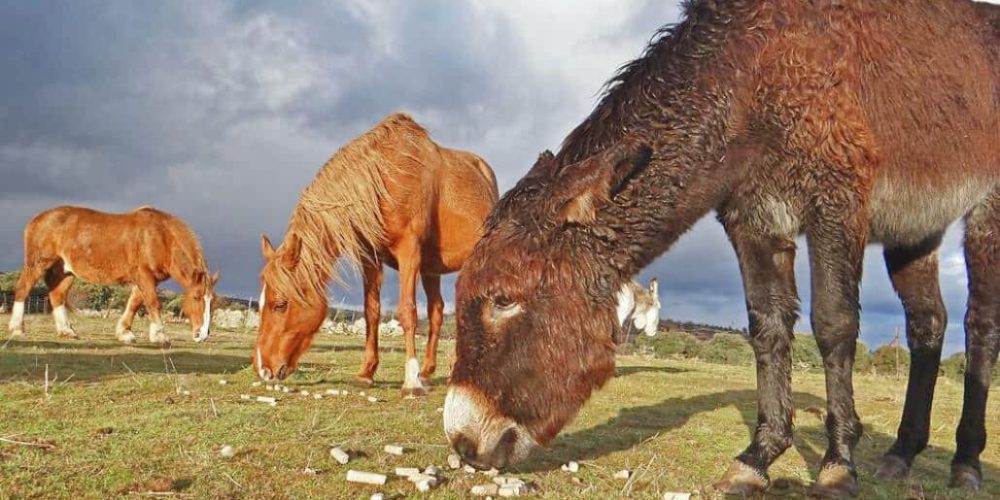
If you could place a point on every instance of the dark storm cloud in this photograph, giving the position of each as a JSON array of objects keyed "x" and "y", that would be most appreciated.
[{"x": 222, "y": 111}]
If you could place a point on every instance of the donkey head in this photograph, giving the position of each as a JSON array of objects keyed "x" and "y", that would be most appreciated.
[{"x": 535, "y": 310}]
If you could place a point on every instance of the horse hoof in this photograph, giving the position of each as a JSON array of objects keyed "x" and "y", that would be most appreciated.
[
  {"x": 363, "y": 382},
  {"x": 742, "y": 480},
  {"x": 16, "y": 332},
  {"x": 127, "y": 338},
  {"x": 413, "y": 392},
  {"x": 965, "y": 477},
  {"x": 835, "y": 481},
  {"x": 69, "y": 334},
  {"x": 892, "y": 467}
]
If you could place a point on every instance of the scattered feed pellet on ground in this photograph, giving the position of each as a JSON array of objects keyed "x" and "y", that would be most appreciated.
[
  {"x": 407, "y": 471},
  {"x": 571, "y": 467},
  {"x": 394, "y": 449},
  {"x": 245, "y": 397},
  {"x": 377, "y": 496},
  {"x": 340, "y": 455},
  {"x": 356, "y": 476},
  {"x": 454, "y": 461},
  {"x": 676, "y": 496},
  {"x": 623, "y": 474},
  {"x": 227, "y": 451},
  {"x": 482, "y": 490},
  {"x": 223, "y": 382}
]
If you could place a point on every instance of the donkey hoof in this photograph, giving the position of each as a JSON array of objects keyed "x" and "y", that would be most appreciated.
[
  {"x": 892, "y": 467},
  {"x": 742, "y": 480},
  {"x": 835, "y": 481},
  {"x": 965, "y": 477},
  {"x": 413, "y": 392},
  {"x": 363, "y": 381},
  {"x": 127, "y": 337}
]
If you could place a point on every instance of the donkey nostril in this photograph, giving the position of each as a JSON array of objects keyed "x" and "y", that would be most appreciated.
[{"x": 465, "y": 447}]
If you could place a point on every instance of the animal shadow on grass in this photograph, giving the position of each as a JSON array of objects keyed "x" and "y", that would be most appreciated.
[
  {"x": 91, "y": 367},
  {"x": 633, "y": 426}
]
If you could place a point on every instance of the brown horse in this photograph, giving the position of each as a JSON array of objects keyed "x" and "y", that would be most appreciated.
[
  {"x": 851, "y": 121},
  {"x": 392, "y": 196},
  {"x": 141, "y": 248}
]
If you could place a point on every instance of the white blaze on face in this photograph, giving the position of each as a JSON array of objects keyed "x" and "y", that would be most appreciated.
[
  {"x": 260, "y": 364},
  {"x": 463, "y": 417},
  {"x": 263, "y": 293},
  {"x": 206, "y": 320},
  {"x": 460, "y": 413}
]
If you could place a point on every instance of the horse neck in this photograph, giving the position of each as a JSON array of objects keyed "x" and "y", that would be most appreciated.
[{"x": 685, "y": 108}]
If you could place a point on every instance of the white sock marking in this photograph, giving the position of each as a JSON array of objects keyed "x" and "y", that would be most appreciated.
[
  {"x": 61, "y": 316},
  {"x": 17, "y": 317},
  {"x": 412, "y": 380}
]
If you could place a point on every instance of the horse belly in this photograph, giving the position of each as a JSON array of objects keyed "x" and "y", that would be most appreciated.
[{"x": 907, "y": 214}]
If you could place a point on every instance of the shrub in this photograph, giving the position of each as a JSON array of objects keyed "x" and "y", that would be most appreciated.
[
  {"x": 672, "y": 344},
  {"x": 954, "y": 366},
  {"x": 862, "y": 357},
  {"x": 805, "y": 352},
  {"x": 883, "y": 361},
  {"x": 727, "y": 349}
]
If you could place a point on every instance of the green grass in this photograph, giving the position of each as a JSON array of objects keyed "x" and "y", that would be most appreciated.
[{"x": 120, "y": 424}]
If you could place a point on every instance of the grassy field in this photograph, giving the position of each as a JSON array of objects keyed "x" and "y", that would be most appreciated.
[{"x": 145, "y": 421}]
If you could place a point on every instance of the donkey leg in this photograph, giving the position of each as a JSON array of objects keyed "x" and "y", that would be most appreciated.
[
  {"x": 768, "y": 269},
  {"x": 22, "y": 291},
  {"x": 914, "y": 275},
  {"x": 836, "y": 252},
  {"x": 435, "y": 316},
  {"x": 147, "y": 287},
  {"x": 982, "y": 339},
  {"x": 373, "y": 315},
  {"x": 59, "y": 283},
  {"x": 124, "y": 327},
  {"x": 408, "y": 255}
]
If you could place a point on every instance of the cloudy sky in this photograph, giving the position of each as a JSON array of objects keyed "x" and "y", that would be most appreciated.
[{"x": 222, "y": 111}]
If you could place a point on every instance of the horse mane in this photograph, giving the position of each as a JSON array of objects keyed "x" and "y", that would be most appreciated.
[
  {"x": 339, "y": 213},
  {"x": 188, "y": 258}
]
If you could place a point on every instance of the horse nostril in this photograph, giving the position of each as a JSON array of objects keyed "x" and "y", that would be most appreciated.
[
  {"x": 465, "y": 447},
  {"x": 282, "y": 372},
  {"x": 265, "y": 373}
]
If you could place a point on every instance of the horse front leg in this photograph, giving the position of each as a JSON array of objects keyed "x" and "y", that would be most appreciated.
[
  {"x": 59, "y": 283},
  {"x": 914, "y": 275},
  {"x": 147, "y": 287},
  {"x": 767, "y": 264},
  {"x": 836, "y": 241},
  {"x": 408, "y": 256},
  {"x": 373, "y": 316}
]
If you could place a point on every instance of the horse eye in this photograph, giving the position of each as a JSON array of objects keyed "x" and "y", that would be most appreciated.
[{"x": 281, "y": 306}]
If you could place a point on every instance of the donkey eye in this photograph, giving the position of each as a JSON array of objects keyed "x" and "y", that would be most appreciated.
[{"x": 504, "y": 303}]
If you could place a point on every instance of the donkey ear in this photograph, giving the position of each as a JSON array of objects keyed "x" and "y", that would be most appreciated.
[
  {"x": 290, "y": 250},
  {"x": 654, "y": 287},
  {"x": 265, "y": 247},
  {"x": 596, "y": 179},
  {"x": 544, "y": 166}
]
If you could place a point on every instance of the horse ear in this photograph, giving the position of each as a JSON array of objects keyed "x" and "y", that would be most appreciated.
[
  {"x": 596, "y": 179},
  {"x": 290, "y": 250},
  {"x": 265, "y": 247},
  {"x": 215, "y": 277}
]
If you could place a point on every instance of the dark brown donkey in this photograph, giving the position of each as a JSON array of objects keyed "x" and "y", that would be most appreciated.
[{"x": 851, "y": 121}]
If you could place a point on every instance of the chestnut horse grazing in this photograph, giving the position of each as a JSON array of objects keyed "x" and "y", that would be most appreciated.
[
  {"x": 141, "y": 248},
  {"x": 390, "y": 197},
  {"x": 851, "y": 121}
]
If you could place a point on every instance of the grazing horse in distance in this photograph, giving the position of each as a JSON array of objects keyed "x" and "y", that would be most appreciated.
[
  {"x": 851, "y": 121},
  {"x": 390, "y": 197},
  {"x": 141, "y": 248},
  {"x": 639, "y": 308}
]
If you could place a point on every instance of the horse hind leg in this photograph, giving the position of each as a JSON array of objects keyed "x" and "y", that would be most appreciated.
[
  {"x": 435, "y": 316},
  {"x": 32, "y": 272},
  {"x": 914, "y": 275},
  {"x": 59, "y": 283},
  {"x": 982, "y": 338},
  {"x": 123, "y": 329}
]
